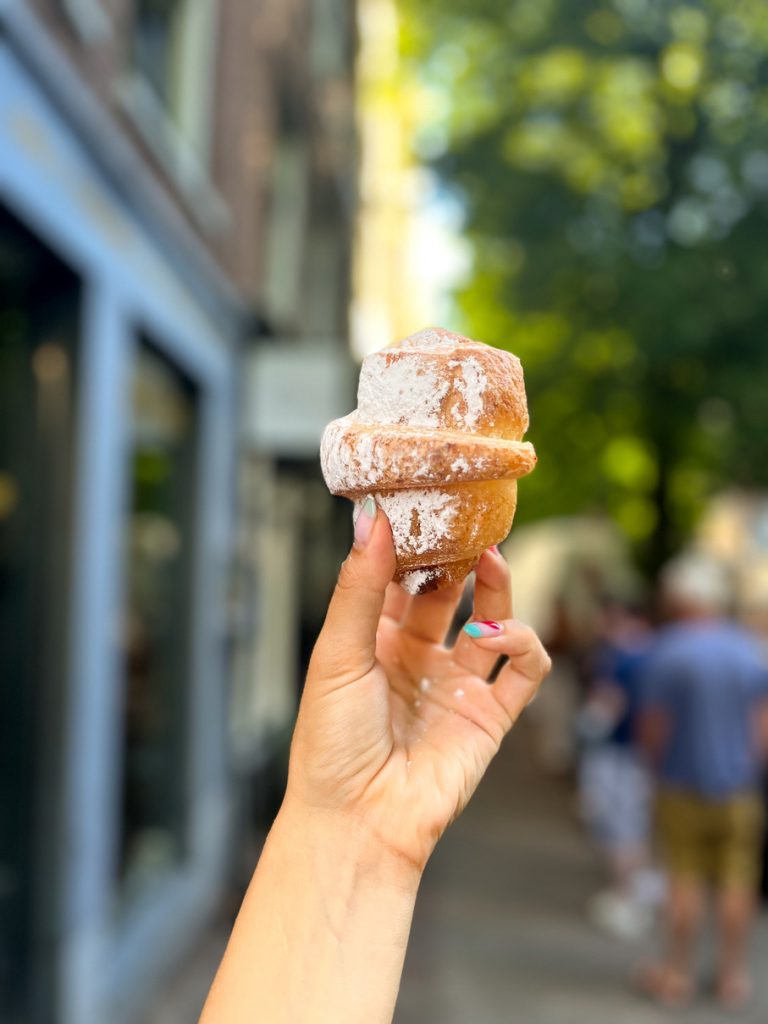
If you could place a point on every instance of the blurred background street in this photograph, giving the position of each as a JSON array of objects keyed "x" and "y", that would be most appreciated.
[
  {"x": 210, "y": 212},
  {"x": 500, "y": 932}
]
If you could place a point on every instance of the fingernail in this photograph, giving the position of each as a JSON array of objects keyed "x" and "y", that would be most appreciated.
[
  {"x": 495, "y": 549},
  {"x": 483, "y": 629},
  {"x": 366, "y": 517}
]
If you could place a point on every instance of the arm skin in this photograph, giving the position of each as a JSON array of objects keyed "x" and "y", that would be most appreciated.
[
  {"x": 653, "y": 735},
  {"x": 394, "y": 732},
  {"x": 323, "y": 930},
  {"x": 761, "y": 729}
]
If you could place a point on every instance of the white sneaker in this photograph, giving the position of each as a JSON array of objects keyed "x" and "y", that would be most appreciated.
[{"x": 619, "y": 916}]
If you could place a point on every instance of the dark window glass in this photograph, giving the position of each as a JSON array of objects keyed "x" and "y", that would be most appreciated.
[
  {"x": 155, "y": 34},
  {"x": 39, "y": 318},
  {"x": 173, "y": 56},
  {"x": 156, "y": 620}
]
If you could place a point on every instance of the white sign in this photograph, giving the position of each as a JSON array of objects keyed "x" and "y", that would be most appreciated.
[{"x": 291, "y": 390}]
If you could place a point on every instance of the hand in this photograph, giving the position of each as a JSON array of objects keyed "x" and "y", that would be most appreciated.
[
  {"x": 395, "y": 730},
  {"x": 393, "y": 735}
]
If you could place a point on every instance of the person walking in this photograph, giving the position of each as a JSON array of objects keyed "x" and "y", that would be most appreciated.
[
  {"x": 615, "y": 785},
  {"x": 704, "y": 727}
]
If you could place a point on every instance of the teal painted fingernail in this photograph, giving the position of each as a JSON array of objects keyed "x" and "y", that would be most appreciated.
[{"x": 480, "y": 630}]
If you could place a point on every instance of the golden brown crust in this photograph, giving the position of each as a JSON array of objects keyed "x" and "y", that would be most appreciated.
[
  {"x": 478, "y": 389},
  {"x": 483, "y": 514},
  {"x": 372, "y": 457},
  {"x": 436, "y": 438}
]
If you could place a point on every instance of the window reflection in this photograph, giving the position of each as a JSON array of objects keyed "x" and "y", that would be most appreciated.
[
  {"x": 172, "y": 42},
  {"x": 156, "y": 30},
  {"x": 157, "y": 620},
  {"x": 39, "y": 363}
]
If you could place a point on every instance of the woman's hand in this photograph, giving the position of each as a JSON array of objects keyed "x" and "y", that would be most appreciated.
[
  {"x": 395, "y": 729},
  {"x": 394, "y": 733}
]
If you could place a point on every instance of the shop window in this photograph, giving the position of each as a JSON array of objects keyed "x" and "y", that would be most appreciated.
[
  {"x": 324, "y": 307},
  {"x": 157, "y": 621},
  {"x": 89, "y": 18},
  {"x": 39, "y": 330},
  {"x": 171, "y": 52},
  {"x": 168, "y": 90},
  {"x": 286, "y": 231},
  {"x": 330, "y": 40}
]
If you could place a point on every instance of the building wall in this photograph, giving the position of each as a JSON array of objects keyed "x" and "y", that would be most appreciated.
[
  {"x": 270, "y": 77},
  {"x": 193, "y": 274}
]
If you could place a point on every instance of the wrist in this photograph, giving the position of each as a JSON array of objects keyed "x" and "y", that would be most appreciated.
[
  {"x": 322, "y": 933},
  {"x": 341, "y": 840}
]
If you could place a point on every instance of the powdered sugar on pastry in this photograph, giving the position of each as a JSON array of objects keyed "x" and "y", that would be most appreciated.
[
  {"x": 434, "y": 338},
  {"x": 437, "y": 439},
  {"x": 417, "y": 581},
  {"x": 472, "y": 386},
  {"x": 409, "y": 386},
  {"x": 398, "y": 389},
  {"x": 420, "y": 519},
  {"x": 347, "y": 454},
  {"x": 361, "y": 457}
]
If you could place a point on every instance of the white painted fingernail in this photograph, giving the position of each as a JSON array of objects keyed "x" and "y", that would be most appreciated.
[{"x": 366, "y": 517}]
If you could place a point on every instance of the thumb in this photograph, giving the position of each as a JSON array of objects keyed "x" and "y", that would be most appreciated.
[{"x": 346, "y": 646}]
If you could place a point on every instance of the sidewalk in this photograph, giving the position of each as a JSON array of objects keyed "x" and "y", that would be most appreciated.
[{"x": 499, "y": 932}]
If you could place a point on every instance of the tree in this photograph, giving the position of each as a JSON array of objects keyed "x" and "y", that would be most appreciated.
[{"x": 611, "y": 159}]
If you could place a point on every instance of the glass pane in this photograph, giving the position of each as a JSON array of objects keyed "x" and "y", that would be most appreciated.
[
  {"x": 39, "y": 324},
  {"x": 156, "y": 620},
  {"x": 173, "y": 54},
  {"x": 154, "y": 35}
]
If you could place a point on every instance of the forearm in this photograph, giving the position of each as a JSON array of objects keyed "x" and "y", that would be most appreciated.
[
  {"x": 653, "y": 737},
  {"x": 761, "y": 734},
  {"x": 323, "y": 929}
]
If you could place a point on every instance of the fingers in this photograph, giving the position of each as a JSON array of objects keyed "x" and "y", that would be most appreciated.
[
  {"x": 396, "y": 602},
  {"x": 493, "y": 601},
  {"x": 429, "y": 616},
  {"x": 345, "y": 648},
  {"x": 528, "y": 662}
]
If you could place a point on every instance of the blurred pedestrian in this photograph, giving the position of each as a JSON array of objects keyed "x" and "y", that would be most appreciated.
[
  {"x": 554, "y": 711},
  {"x": 705, "y": 728},
  {"x": 615, "y": 784}
]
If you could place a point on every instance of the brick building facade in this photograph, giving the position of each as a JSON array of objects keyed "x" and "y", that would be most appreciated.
[
  {"x": 177, "y": 195},
  {"x": 217, "y": 98}
]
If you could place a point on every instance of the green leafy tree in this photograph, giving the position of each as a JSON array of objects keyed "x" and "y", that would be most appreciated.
[{"x": 611, "y": 160}]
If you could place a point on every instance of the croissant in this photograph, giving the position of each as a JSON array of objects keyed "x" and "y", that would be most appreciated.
[{"x": 436, "y": 439}]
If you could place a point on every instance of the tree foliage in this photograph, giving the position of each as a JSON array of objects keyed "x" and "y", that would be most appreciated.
[{"x": 611, "y": 159}]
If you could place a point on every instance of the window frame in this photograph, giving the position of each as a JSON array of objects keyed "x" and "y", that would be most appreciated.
[
  {"x": 106, "y": 968},
  {"x": 187, "y": 165},
  {"x": 185, "y": 606},
  {"x": 90, "y": 19}
]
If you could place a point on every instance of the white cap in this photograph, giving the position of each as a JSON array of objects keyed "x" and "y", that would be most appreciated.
[{"x": 698, "y": 580}]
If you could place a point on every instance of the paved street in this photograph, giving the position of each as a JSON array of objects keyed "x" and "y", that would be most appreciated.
[{"x": 499, "y": 934}]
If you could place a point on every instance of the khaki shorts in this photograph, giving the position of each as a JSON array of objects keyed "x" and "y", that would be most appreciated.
[{"x": 718, "y": 841}]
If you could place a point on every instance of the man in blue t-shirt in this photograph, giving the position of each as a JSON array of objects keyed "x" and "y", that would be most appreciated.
[{"x": 704, "y": 725}]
